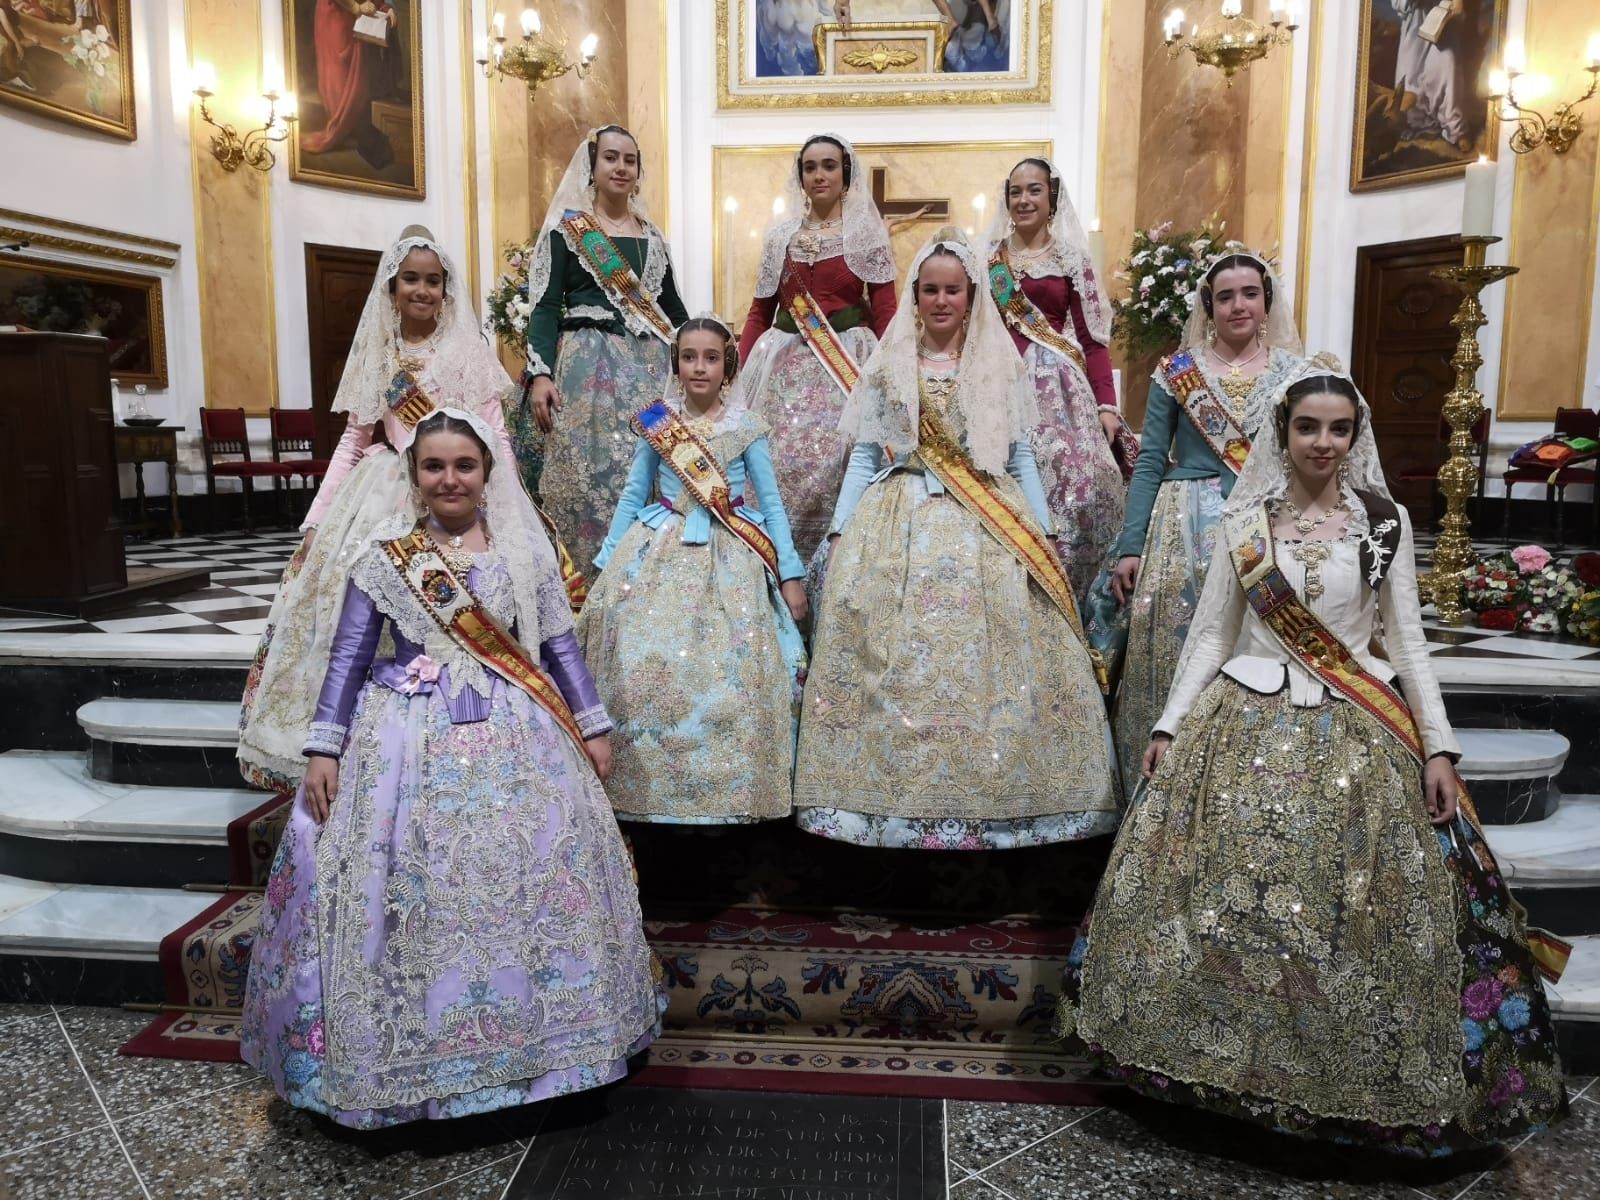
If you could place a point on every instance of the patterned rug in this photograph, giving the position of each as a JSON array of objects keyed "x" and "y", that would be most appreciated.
[{"x": 204, "y": 962}]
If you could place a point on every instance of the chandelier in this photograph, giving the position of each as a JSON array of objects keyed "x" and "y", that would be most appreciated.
[
  {"x": 536, "y": 58},
  {"x": 1231, "y": 40}
]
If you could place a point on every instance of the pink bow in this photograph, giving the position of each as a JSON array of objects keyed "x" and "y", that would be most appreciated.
[{"x": 420, "y": 670}]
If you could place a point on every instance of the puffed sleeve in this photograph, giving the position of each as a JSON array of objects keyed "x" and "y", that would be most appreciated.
[
  {"x": 352, "y": 444},
  {"x": 563, "y": 658},
  {"x": 756, "y": 322},
  {"x": 881, "y": 298},
  {"x": 1097, "y": 359},
  {"x": 1407, "y": 649},
  {"x": 350, "y": 654},
  {"x": 758, "y": 469},
  {"x": 1212, "y": 637},
  {"x": 641, "y": 475},
  {"x": 544, "y": 322},
  {"x": 865, "y": 460},
  {"x": 1023, "y": 466},
  {"x": 1155, "y": 443}
]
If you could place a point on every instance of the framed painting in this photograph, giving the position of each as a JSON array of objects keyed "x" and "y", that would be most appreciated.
[
  {"x": 849, "y": 53},
  {"x": 123, "y": 308},
  {"x": 1422, "y": 106},
  {"x": 356, "y": 70},
  {"x": 69, "y": 60}
]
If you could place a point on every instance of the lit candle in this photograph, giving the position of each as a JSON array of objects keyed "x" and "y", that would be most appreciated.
[
  {"x": 1477, "y": 204},
  {"x": 980, "y": 202},
  {"x": 288, "y": 107},
  {"x": 588, "y": 46},
  {"x": 1593, "y": 52},
  {"x": 1277, "y": 7},
  {"x": 730, "y": 206},
  {"x": 1097, "y": 247},
  {"x": 1516, "y": 59},
  {"x": 205, "y": 78},
  {"x": 530, "y": 22},
  {"x": 1232, "y": 8},
  {"x": 777, "y": 206},
  {"x": 1499, "y": 83},
  {"x": 499, "y": 25}
]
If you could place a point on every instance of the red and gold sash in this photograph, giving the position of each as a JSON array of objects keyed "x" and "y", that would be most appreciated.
[
  {"x": 1317, "y": 648},
  {"x": 1018, "y": 532},
  {"x": 406, "y": 399},
  {"x": 812, "y": 325},
  {"x": 1022, "y": 314},
  {"x": 606, "y": 264},
  {"x": 692, "y": 461},
  {"x": 1211, "y": 418},
  {"x": 457, "y": 611},
  {"x": 577, "y": 586}
]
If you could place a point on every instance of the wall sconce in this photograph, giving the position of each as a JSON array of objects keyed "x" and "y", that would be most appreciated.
[
  {"x": 536, "y": 59},
  {"x": 253, "y": 149},
  {"x": 1231, "y": 40},
  {"x": 1562, "y": 127}
]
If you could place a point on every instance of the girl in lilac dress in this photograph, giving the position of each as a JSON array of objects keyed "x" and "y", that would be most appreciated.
[{"x": 451, "y": 925}]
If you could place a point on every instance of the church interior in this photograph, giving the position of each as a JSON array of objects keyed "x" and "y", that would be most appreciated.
[{"x": 202, "y": 204}]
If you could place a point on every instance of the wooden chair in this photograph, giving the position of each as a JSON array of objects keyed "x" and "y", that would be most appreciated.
[
  {"x": 223, "y": 431},
  {"x": 293, "y": 432},
  {"x": 1479, "y": 433},
  {"x": 1574, "y": 422}
]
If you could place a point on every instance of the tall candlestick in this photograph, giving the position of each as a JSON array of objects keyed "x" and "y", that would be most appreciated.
[
  {"x": 1477, "y": 203},
  {"x": 1097, "y": 247},
  {"x": 730, "y": 206}
]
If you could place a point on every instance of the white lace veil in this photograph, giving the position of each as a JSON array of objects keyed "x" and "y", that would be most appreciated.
[
  {"x": 460, "y": 353},
  {"x": 1070, "y": 252},
  {"x": 994, "y": 397},
  {"x": 1266, "y": 476},
  {"x": 866, "y": 238},
  {"x": 1277, "y": 332},
  {"x": 575, "y": 193}
]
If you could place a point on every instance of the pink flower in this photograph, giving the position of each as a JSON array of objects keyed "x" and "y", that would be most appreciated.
[
  {"x": 1482, "y": 997},
  {"x": 420, "y": 670},
  {"x": 1530, "y": 558},
  {"x": 314, "y": 1038}
]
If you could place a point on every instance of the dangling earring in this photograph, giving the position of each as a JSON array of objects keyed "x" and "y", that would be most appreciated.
[
  {"x": 1211, "y": 332},
  {"x": 1344, "y": 473},
  {"x": 808, "y": 206},
  {"x": 916, "y": 319},
  {"x": 1288, "y": 465},
  {"x": 634, "y": 195}
]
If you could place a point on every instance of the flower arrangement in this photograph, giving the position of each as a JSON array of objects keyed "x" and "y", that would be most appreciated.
[
  {"x": 508, "y": 303},
  {"x": 1161, "y": 271},
  {"x": 1583, "y": 615},
  {"x": 1525, "y": 589},
  {"x": 90, "y": 50}
]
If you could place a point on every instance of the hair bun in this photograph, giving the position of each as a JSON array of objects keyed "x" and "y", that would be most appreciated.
[
  {"x": 416, "y": 231},
  {"x": 951, "y": 233}
]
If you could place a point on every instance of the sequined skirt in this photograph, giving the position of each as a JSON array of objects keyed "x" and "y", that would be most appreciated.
[{"x": 1281, "y": 935}]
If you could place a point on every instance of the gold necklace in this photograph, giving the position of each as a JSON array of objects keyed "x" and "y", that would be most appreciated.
[
  {"x": 1305, "y": 524},
  {"x": 1236, "y": 385},
  {"x": 1312, "y": 555},
  {"x": 455, "y": 555},
  {"x": 617, "y": 228}
]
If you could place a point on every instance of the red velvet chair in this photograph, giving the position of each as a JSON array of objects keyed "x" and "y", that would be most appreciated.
[
  {"x": 1575, "y": 422},
  {"x": 293, "y": 433},
  {"x": 222, "y": 431},
  {"x": 1479, "y": 433}
]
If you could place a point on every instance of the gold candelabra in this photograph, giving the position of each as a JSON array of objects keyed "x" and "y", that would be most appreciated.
[
  {"x": 1561, "y": 128},
  {"x": 254, "y": 149},
  {"x": 1458, "y": 477},
  {"x": 1231, "y": 41},
  {"x": 536, "y": 58}
]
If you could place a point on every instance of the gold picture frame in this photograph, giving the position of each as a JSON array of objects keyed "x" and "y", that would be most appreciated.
[
  {"x": 1394, "y": 145},
  {"x": 741, "y": 85},
  {"x": 378, "y": 147},
  {"x": 44, "y": 64},
  {"x": 59, "y": 297}
]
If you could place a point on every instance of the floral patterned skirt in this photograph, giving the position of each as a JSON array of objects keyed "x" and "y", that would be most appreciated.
[
  {"x": 946, "y": 693},
  {"x": 1282, "y": 936},
  {"x": 1082, "y": 483},
  {"x": 699, "y": 664},
  {"x": 462, "y": 935},
  {"x": 603, "y": 379},
  {"x": 802, "y": 403}
]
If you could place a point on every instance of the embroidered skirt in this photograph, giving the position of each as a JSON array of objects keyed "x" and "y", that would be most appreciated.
[
  {"x": 802, "y": 403},
  {"x": 1281, "y": 936},
  {"x": 699, "y": 665},
  {"x": 949, "y": 704},
  {"x": 462, "y": 935},
  {"x": 603, "y": 379},
  {"x": 1082, "y": 483},
  {"x": 285, "y": 677}
]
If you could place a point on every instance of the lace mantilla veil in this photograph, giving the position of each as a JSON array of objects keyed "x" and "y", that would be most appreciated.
[
  {"x": 1278, "y": 331},
  {"x": 866, "y": 239},
  {"x": 994, "y": 397},
  {"x": 737, "y": 401},
  {"x": 1071, "y": 253},
  {"x": 575, "y": 193}
]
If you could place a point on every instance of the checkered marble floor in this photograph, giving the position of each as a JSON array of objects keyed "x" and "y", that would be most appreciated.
[{"x": 244, "y": 567}]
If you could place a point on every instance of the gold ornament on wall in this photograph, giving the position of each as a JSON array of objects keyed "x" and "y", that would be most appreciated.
[
  {"x": 1562, "y": 127},
  {"x": 254, "y": 149}
]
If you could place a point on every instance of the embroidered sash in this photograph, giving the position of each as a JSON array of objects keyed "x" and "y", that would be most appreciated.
[
  {"x": 692, "y": 461},
  {"x": 1319, "y": 650},
  {"x": 1022, "y": 314},
  {"x": 406, "y": 399},
  {"x": 812, "y": 325},
  {"x": 577, "y": 586},
  {"x": 452, "y": 607},
  {"x": 616, "y": 278},
  {"x": 1018, "y": 532},
  {"x": 1209, "y": 415}
]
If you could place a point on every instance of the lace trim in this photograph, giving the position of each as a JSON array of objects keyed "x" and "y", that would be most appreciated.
[
  {"x": 326, "y": 737},
  {"x": 376, "y": 576},
  {"x": 537, "y": 365},
  {"x": 594, "y": 721},
  {"x": 801, "y": 250},
  {"x": 591, "y": 312},
  {"x": 656, "y": 263}
]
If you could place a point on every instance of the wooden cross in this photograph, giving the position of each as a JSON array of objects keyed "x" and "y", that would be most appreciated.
[{"x": 898, "y": 212}]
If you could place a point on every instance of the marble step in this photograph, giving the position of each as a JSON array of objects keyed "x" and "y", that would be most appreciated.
[
  {"x": 162, "y": 743},
  {"x": 87, "y": 944},
  {"x": 58, "y": 823},
  {"x": 1511, "y": 772},
  {"x": 1575, "y": 1002},
  {"x": 1554, "y": 865}
]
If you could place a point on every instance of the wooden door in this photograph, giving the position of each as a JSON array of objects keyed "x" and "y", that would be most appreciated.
[
  {"x": 1400, "y": 356},
  {"x": 338, "y": 279}
]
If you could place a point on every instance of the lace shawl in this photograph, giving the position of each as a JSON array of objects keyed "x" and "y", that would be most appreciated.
[{"x": 866, "y": 239}]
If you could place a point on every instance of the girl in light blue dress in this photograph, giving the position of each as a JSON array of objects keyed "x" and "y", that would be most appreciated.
[{"x": 690, "y": 629}]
